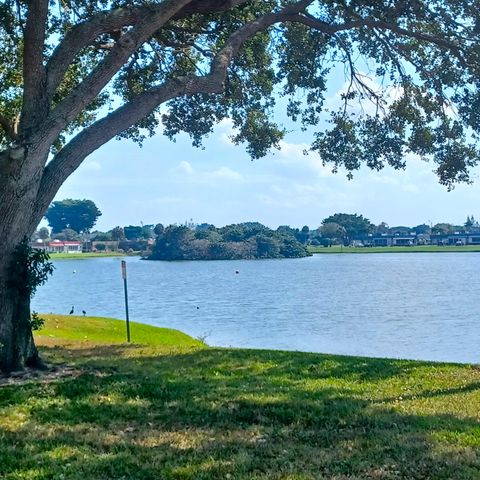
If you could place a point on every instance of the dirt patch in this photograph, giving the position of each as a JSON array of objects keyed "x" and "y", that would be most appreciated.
[{"x": 43, "y": 376}]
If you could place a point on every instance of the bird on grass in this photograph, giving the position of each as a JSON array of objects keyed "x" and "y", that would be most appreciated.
[
  {"x": 72, "y": 310},
  {"x": 84, "y": 312}
]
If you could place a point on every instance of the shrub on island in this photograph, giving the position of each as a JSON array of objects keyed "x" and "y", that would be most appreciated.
[{"x": 233, "y": 242}]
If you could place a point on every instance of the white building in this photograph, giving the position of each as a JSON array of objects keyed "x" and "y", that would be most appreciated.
[{"x": 59, "y": 246}]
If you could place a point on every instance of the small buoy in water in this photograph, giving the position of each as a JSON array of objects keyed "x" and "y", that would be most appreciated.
[
  {"x": 74, "y": 271},
  {"x": 198, "y": 308},
  {"x": 237, "y": 272}
]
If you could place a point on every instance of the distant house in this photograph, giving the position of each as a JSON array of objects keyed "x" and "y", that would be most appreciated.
[
  {"x": 58, "y": 246},
  {"x": 391, "y": 240},
  {"x": 456, "y": 239}
]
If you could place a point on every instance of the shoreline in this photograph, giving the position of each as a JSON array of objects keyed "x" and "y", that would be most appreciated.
[
  {"x": 312, "y": 251},
  {"x": 84, "y": 256},
  {"x": 414, "y": 249},
  {"x": 109, "y": 329}
]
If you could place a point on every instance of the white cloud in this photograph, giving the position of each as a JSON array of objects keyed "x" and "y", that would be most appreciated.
[
  {"x": 292, "y": 150},
  {"x": 226, "y": 124},
  {"x": 226, "y": 131},
  {"x": 205, "y": 177},
  {"x": 226, "y": 139},
  {"x": 220, "y": 185},
  {"x": 296, "y": 156},
  {"x": 226, "y": 173},
  {"x": 185, "y": 167}
]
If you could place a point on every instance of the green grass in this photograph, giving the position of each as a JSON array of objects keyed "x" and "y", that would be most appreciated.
[
  {"x": 184, "y": 411},
  {"x": 107, "y": 330},
  {"x": 81, "y": 256},
  {"x": 416, "y": 249}
]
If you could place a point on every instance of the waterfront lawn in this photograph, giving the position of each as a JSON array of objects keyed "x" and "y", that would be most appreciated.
[
  {"x": 107, "y": 330},
  {"x": 184, "y": 411},
  {"x": 414, "y": 249},
  {"x": 84, "y": 255}
]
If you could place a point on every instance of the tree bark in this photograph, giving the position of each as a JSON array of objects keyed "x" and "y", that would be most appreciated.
[
  {"x": 17, "y": 348},
  {"x": 17, "y": 199}
]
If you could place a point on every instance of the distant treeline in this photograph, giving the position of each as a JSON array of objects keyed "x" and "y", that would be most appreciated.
[
  {"x": 244, "y": 240},
  {"x": 240, "y": 241}
]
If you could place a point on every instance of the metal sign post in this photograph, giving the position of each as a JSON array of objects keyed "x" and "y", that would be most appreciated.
[{"x": 124, "y": 276}]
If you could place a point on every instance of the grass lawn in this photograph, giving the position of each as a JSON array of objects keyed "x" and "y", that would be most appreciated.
[
  {"x": 106, "y": 330},
  {"x": 415, "y": 249},
  {"x": 175, "y": 409},
  {"x": 81, "y": 256}
]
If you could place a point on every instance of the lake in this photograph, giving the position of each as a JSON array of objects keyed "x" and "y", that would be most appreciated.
[{"x": 418, "y": 305}]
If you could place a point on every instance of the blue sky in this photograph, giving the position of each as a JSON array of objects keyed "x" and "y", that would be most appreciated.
[{"x": 174, "y": 182}]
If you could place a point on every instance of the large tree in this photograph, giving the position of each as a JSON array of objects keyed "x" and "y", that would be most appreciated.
[
  {"x": 354, "y": 226},
  {"x": 75, "y": 74},
  {"x": 78, "y": 215},
  {"x": 332, "y": 231}
]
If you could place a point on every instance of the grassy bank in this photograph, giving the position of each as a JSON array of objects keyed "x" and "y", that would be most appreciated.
[
  {"x": 179, "y": 410},
  {"x": 97, "y": 330},
  {"x": 417, "y": 249},
  {"x": 80, "y": 256}
]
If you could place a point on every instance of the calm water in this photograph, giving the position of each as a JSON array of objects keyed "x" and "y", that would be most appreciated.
[{"x": 421, "y": 306}]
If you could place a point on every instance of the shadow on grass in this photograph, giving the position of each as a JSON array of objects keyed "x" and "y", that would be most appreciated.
[
  {"x": 215, "y": 414},
  {"x": 281, "y": 362}
]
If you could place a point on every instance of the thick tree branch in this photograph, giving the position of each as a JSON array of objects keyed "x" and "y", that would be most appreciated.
[
  {"x": 92, "y": 85},
  {"x": 33, "y": 69},
  {"x": 85, "y": 33},
  {"x": 237, "y": 40},
  {"x": 71, "y": 156},
  {"x": 87, "y": 91}
]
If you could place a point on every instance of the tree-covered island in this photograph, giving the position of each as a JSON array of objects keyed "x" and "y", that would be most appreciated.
[{"x": 233, "y": 242}]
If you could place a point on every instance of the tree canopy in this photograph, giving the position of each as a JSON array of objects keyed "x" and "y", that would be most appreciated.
[
  {"x": 414, "y": 65},
  {"x": 353, "y": 225},
  {"x": 333, "y": 231},
  {"x": 470, "y": 222},
  {"x": 77, "y": 215},
  {"x": 43, "y": 233},
  {"x": 250, "y": 240}
]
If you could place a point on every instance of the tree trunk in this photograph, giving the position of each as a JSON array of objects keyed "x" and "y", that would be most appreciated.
[
  {"x": 17, "y": 200},
  {"x": 17, "y": 348}
]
